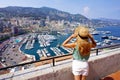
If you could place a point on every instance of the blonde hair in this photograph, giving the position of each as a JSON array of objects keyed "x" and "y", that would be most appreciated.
[
  {"x": 83, "y": 44},
  {"x": 84, "y": 47}
]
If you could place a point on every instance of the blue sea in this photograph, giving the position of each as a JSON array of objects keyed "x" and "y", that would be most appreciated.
[{"x": 115, "y": 31}]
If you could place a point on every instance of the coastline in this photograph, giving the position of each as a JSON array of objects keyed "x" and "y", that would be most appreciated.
[{"x": 31, "y": 57}]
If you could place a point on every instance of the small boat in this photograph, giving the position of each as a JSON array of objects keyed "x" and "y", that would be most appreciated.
[
  {"x": 105, "y": 37},
  {"x": 95, "y": 33},
  {"x": 107, "y": 41},
  {"x": 48, "y": 54},
  {"x": 99, "y": 43},
  {"x": 112, "y": 37},
  {"x": 106, "y": 32},
  {"x": 58, "y": 45},
  {"x": 118, "y": 38},
  {"x": 104, "y": 44}
]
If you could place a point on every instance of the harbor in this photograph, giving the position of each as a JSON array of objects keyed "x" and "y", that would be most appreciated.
[
  {"x": 44, "y": 42},
  {"x": 46, "y": 45},
  {"x": 36, "y": 46}
]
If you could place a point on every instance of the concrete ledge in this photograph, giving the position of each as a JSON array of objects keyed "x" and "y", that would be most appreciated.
[{"x": 106, "y": 63}]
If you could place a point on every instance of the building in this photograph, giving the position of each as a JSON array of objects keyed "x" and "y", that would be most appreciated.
[
  {"x": 1, "y": 26},
  {"x": 42, "y": 23},
  {"x": 14, "y": 30}
]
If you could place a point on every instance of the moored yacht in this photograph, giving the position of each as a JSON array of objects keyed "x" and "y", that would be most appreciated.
[
  {"x": 105, "y": 37},
  {"x": 112, "y": 37}
]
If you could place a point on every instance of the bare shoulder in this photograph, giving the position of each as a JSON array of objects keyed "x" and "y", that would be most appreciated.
[{"x": 70, "y": 45}]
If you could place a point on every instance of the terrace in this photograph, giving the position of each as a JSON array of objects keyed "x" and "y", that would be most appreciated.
[{"x": 103, "y": 61}]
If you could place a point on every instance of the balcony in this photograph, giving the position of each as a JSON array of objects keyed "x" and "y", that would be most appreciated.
[{"x": 103, "y": 61}]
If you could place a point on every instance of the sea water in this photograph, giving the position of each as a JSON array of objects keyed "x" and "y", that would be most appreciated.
[{"x": 115, "y": 31}]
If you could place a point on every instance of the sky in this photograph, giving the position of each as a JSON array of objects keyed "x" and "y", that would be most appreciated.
[{"x": 90, "y": 8}]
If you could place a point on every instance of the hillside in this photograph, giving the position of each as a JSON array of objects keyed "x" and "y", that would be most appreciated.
[
  {"x": 42, "y": 12},
  {"x": 54, "y": 14}
]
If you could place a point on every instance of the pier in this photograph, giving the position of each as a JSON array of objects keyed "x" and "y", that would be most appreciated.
[
  {"x": 44, "y": 40},
  {"x": 56, "y": 51},
  {"x": 29, "y": 42},
  {"x": 43, "y": 53},
  {"x": 67, "y": 49}
]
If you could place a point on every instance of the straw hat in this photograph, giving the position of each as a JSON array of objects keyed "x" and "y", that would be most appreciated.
[{"x": 82, "y": 31}]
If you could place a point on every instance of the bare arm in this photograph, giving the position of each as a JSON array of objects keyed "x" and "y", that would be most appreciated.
[
  {"x": 93, "y": 41},
  {"x": 69, "y": 45}
]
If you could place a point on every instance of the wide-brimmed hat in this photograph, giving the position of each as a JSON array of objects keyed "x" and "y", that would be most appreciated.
[{"x": 82, "y": 31}]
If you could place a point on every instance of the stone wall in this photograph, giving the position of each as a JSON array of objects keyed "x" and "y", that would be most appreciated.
[
  {"x": 106, "y": 63},
  {"x": 104, "y": 66}
]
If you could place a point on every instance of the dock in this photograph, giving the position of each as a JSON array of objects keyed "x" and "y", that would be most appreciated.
[
  {"x": 56, "y": 51},
  {"x": 43, "y": 53}
]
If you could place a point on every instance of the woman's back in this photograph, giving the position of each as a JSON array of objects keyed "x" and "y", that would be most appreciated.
[
  {"x": 84, "y": 48},
  {"x": 81, "y": 53},
  {"x": 83, "y": 43}
]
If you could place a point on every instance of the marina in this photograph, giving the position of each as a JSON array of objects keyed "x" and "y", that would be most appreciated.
[
  {"x": 44, "y": 40},
  {"x": 45, "y": 45},
  {"x": 67, "y": 49},
  {"x": 56, "y": 51},
  {"x": 36, "y": 46}
]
